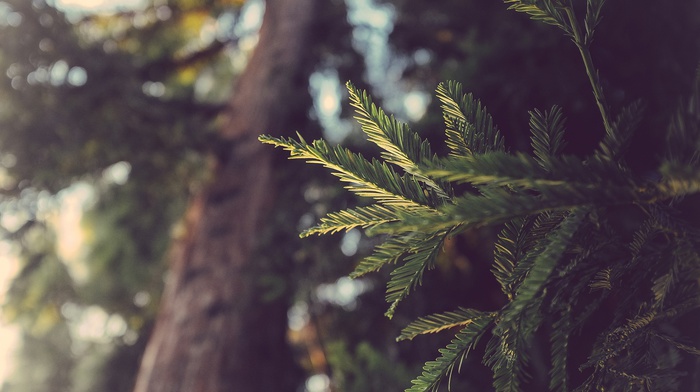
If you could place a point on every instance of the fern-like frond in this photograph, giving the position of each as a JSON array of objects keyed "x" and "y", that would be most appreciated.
[
  {"x": 406, "y": 277},
  {"x": 642, "y": 235},
  {"x": 661, "y": 288},
  {"x": 601, "y": 280},
  {"x": 523, "y": 171},
  {"x": 545, "y": 11},
  {"x": 544, "y": 263},
  {"x": 439, "y": 322},
  {"x": 621, "y": 337},
  {"x": 496, "y": 206},
  {"x": 593, "y": 17},
  {"x": 508, "y": 253},
  {"x": 533, "y": 243},
  {"x": 401, "y": 145},
  {"x": 389, "y": 252},
  {"x": 493, "y": 169},
  {"x": 679, "y": 180},
  {"x": 452, "y": 355},
  {"x": 371, "y": 179},
  {"x": 469, "y": 127},
  {"x": 547, "y": 134},
  {"x": 683, "y": 134},
  {"x": 364, "y": 217},
  {"x": 559, "y": 343},
  {"x": 681, "y": 346},
  {"x": 614, "y": 145},
  {"x": 507, "y": 353}
]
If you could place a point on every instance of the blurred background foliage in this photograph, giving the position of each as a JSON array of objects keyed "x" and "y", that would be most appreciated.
[{"x": 108, "y": 124}]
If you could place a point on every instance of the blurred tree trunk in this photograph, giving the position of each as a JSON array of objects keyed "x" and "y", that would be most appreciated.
[{"x": 212, "y": 334}]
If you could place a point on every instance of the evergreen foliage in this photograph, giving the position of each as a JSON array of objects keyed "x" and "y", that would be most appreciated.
[{"x": 580, "y": 237}]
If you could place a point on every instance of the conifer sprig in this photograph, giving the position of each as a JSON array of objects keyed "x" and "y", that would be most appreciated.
[
  {"x": 547, "y": 135},
  {"x": 469, "y": 127},
  {"x": 563, "y": 250},
  {"x": 547, "y": 11},
  {"x": 439, "y": 322},
  {"x": 401, "y": 146},
  {"x": 373, "y": 179},
  {"x": 452, "y": 356}
]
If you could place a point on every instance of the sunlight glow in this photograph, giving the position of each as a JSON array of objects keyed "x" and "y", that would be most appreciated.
[
  {"x": 9, "y": 334},
  {"x": 97, "y": 5},
  {"x": 70, "y": 235},
  {"x": 344, "y": 292},
  {"x": 318, "y": 383}
]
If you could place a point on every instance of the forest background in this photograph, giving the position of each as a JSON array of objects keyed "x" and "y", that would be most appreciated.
[{"x": 112, "y": 123}]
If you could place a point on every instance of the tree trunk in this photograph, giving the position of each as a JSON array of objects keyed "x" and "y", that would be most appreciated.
[{"x": 211, "y": 333}]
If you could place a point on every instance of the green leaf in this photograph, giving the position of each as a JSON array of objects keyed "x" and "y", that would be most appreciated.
[{"x": 452, "y": 355}]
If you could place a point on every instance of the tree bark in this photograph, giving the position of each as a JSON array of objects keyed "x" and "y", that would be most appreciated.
[{"x": 208, "y": 334}]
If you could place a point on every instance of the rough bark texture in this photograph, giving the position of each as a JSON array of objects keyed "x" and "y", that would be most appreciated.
[{"x": 208, "y": 335}]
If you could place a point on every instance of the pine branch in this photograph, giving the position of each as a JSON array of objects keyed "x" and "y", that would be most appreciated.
[
  {"x": 544, "y": 263},
  {"x": 534, "y": 243},
  {"x": 556, "y": 243},
  {"x": 364, "y": 217},
  {"x": 496, "y": 206},
  {"x": 401, "y": 146},
  {"x": 683, "y": 134},
  {"x": 615, "y": 144},
  {"x": 452, "y": 355},
  {"x": 622, "y": 337},
  {"x": 681, "y": 346},
  {"x": 406, "y": 277},
  {"x": 678, "y": 181},
  {"x": 593, "y": 17},
  {"x": 547, "y": 11},
  {"x": 601, "y": 280},
  {"x": 441, "y": 321},
  {"x": 469, "y": 128},
  {"x": 661, "y": 288},
  {"x": 508, "y": 253},
  {"x": 593, "y": 76},
  {"x": 389, "y": 252},
  {"x": 523, "y": 171},
  {"x": 562, "y": 327},
  {"x": 368, "y": 179},
  {"x": 507, "y": 353},
  {"x": 547, "y": 135}
]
